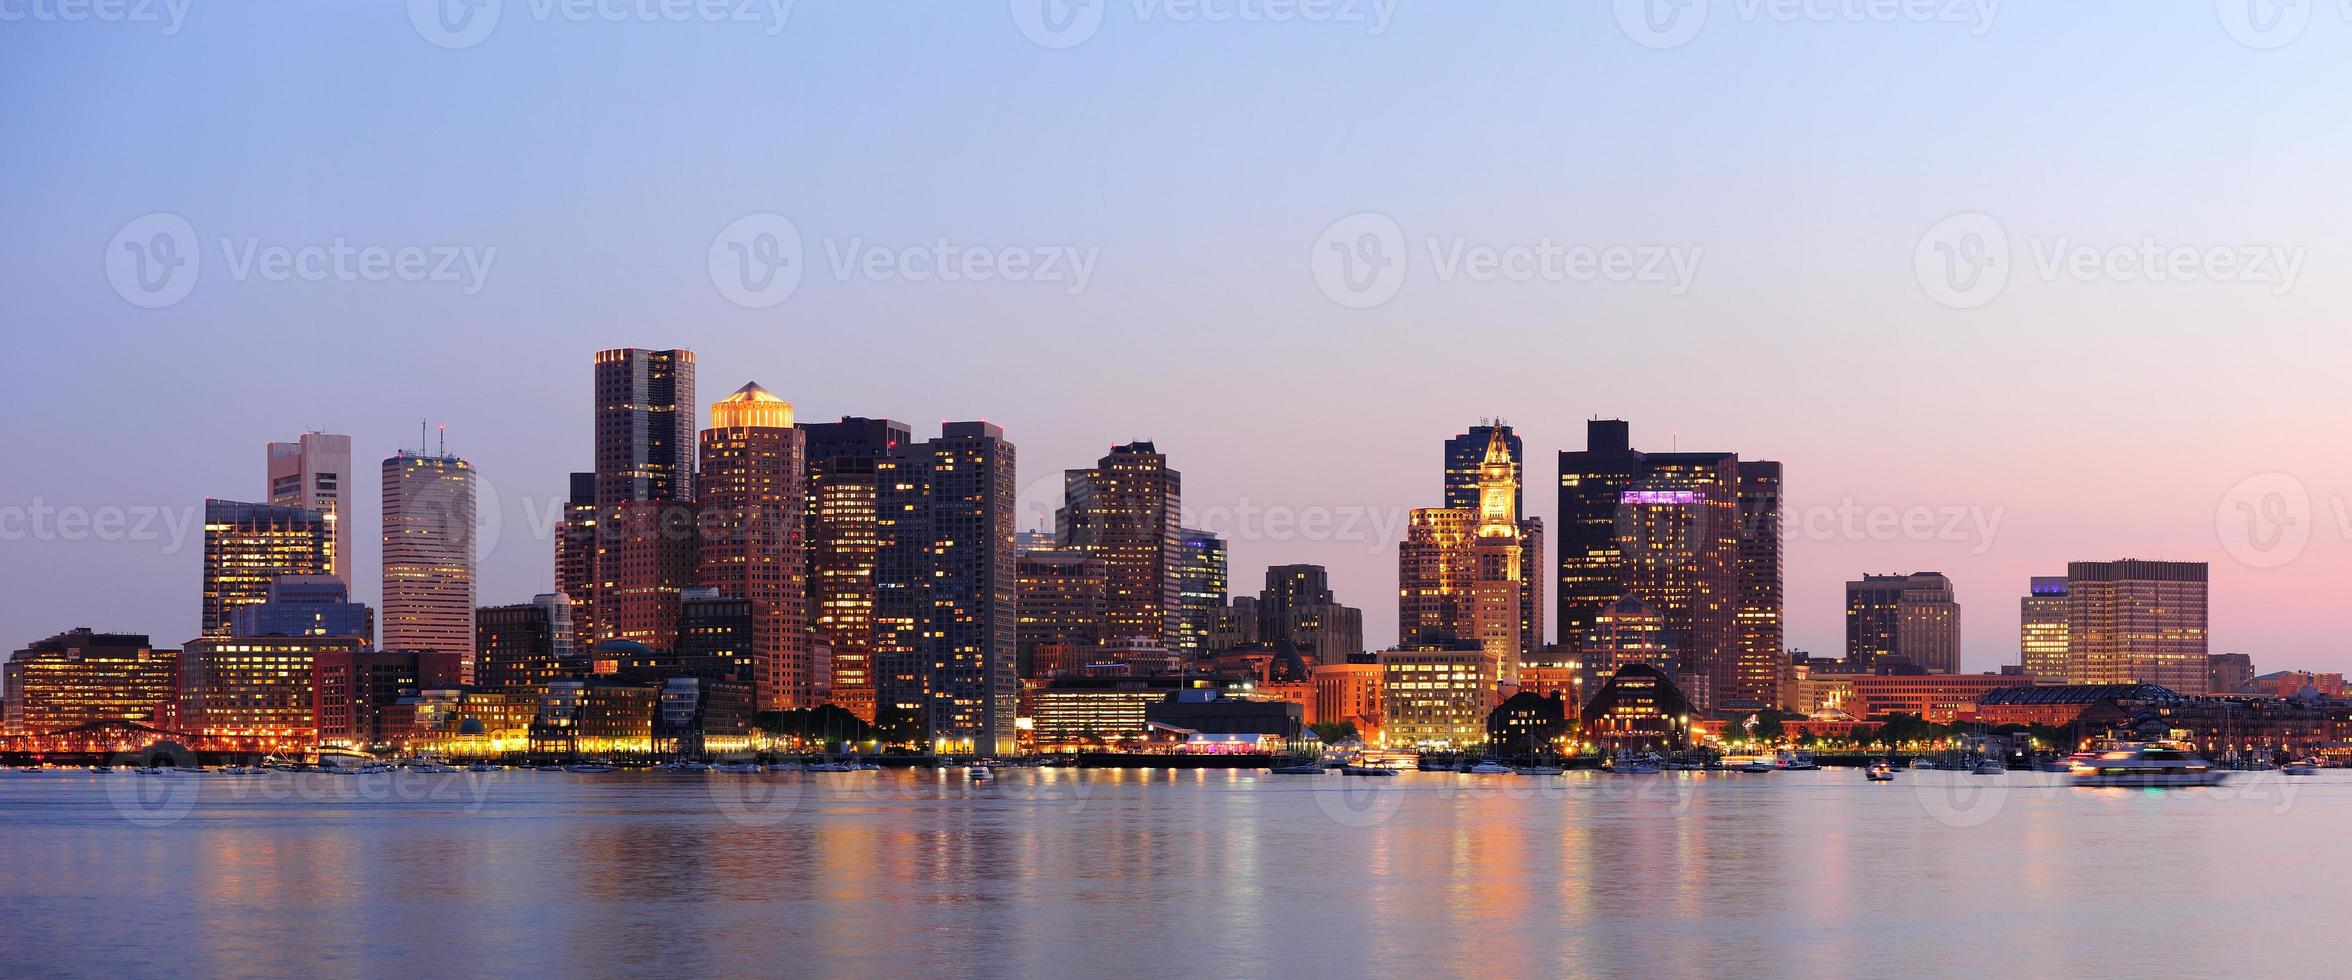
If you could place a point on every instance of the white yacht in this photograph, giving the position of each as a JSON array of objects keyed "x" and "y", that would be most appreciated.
[
  {"x": 1490, "y": 768},
  {"x": 1540, "y": 771},
  {"x": 735, "y": 767},
  {"x": 2301, "y": 767},
  {"x": 2150, "y": 765},
  {"x": 1880, "y": 772}
]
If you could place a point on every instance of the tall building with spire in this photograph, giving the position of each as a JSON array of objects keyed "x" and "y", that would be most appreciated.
[
  {"x": 1497, "y": 591},
  {"x": 314, "y": 473},
  {"x": 1126, "y": 511},
  {"x": 428, "y": 556},
  {"x": 1465, "y": 467},
  {"x": 752, "y": 476}
]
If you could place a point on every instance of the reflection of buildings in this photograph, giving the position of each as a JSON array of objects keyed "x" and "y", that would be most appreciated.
[{"x": 79, "y": 677}]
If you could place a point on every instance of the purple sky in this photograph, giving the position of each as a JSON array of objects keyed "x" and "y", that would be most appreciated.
[{"x": 1751, "y": 228}]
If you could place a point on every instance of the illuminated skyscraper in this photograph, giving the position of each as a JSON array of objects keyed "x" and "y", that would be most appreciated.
[
  {"x": 1687, "y": 532},
  {"x": 428, "y": 556},
  {"x": 1298, "y": 605},
  {"x": 645, "y": 517},
  {"x": 247, "y": 545},
  {"x": 1125, "y": 510},
  {"x": 2041, "y": 619},
  {"x": 314, "y": 473},
  {"x": 1200, "y": 590},
  {"x": 1496, "y": 588},
  {"x": 1434, "y": 577},
  {"x": 753, "y": 475},
  {"x": 260, "y": 687},
  {"x": 644, "y": 425},
  {"x": 946, "y": 592},
  {"x": 1465, "y": 462},
  {"x": 1060, "y": 606},
  {"x": 2133, "y": 621},
  {"x": 523, "y": 646},
  {"x": 843, "y": 544}
]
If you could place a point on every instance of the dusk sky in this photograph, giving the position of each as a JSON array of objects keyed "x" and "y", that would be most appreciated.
[{"x": 1764, "y": 206}]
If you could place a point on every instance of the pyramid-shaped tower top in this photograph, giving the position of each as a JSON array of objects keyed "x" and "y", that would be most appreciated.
[
  {"x": 751, "y": 407},
  {"x": 1498, "y": 449}
]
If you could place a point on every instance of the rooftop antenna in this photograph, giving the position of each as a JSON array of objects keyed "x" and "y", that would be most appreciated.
[
  {"x": 444, "y": 450},
  {"x": 421, "y": 423}
]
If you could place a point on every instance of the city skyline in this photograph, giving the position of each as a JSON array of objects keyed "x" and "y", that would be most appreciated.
[{"x": 2097, "y": 419}]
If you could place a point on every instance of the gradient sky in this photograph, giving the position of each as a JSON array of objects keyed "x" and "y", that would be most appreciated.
[{"x": 1202, "y": 160}]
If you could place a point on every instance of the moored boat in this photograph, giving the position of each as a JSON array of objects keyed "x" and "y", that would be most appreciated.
[
  {"x": 1489, "y": 767},
  {"x": 1367, "y": 771},
  {"x": 1303, "y": 769},
  {"x": 1880, "y": 772}
]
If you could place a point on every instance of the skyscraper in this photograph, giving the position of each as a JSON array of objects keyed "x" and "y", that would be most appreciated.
[
  {"x": 753, "y": 511},
  {"x": 1061, "y": 604},
  {"x": 2041, "y": 629},
  {"x": 644, "y": 425},
  {"x": 1496, "y": 560},
  {"x": 1910, "y": 616},
  {"x": 1298, "y": 605},
  {"x": 1126, "y": 510},
  {"x": 1200, "y": 590},
  {"x": 575, "y": 557},
  {"x": 314, "y": 473},
  {"x": 429, "y": 556},
  {"x": 305, "y": 605},
  {"x": 946, "y": 592},
  {"x": 248, "y": 545},
  {"x": 1465, "y": 461},
  {"x": 1669, "y": 526},
  {"x": 2134, "y": 621},
  {"x": 78, "y": 677},
  {"x": 1434, "y": 577},
  {"x": 1757, "y": 673},
  {"x": 843, "y": 545},
  {"x": 645, "y": 520}
]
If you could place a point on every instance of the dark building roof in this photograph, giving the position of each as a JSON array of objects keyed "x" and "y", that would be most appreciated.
[{"x": 2078, "y": 694}]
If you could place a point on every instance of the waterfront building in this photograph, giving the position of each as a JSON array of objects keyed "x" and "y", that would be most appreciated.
[
  {"x": 1639, "y": 708},
  {"x": 2299, "y": 683},
  {"x": 700, "y": 715},
  {"x": 1938, "y": 698},
  {"x": 2134, "y": 621},
  {"x": 1460, "y": 570},
  {"x": 354, "y": 691},
  {"x": 2041, "y": 629},
  {"x": 1465, "y": 465},
  {"x": 428, "y": 556},
  {"x": 1629, "y": 631},
  {"x": 256, "y": 687},
  {"x": 1436, "y": 697},
  {"x": 1528, "y": 723},
  {"x": 305, "y": 605},
  {"x": 753, "y": 513},
  {"x": 246, "y": 546},
  {"x": 1757, "y": 670},
  {"x": 79, "y": 677},
  {"x": 521, "y": 647},
  {"x": 947, "y": 593},
  {"x": 1126, "y": 510},
  {"x": 314, "y": 473},
  {"x": 1208, "y": 719},
  {"x": 595, "y": 716},
  {"x": 1099, "y": 712}
]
